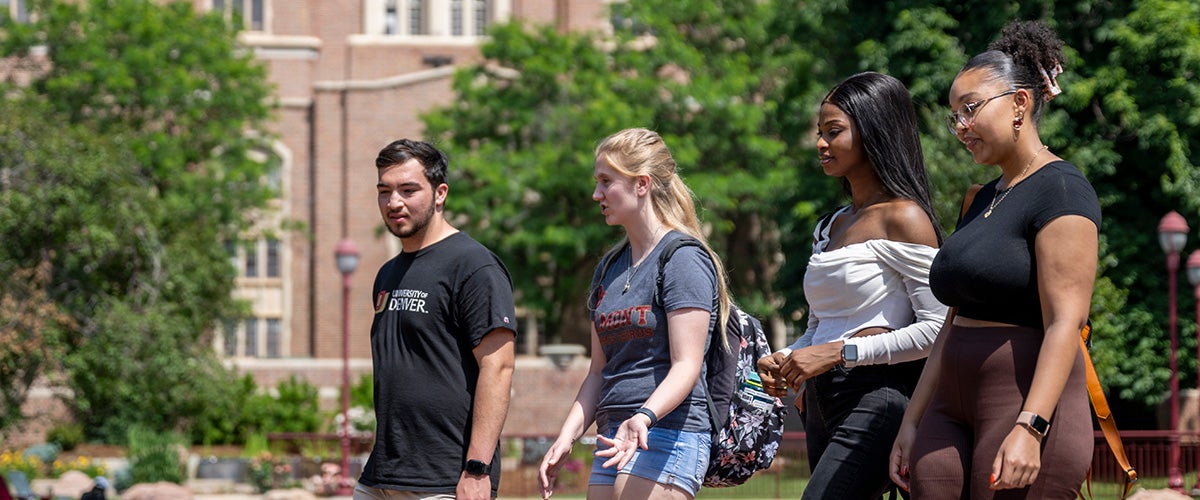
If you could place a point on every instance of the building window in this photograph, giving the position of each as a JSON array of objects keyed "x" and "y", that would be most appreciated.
[
  {"x": 441, "y": 18},
  {"x": 416, "y": 17},
  {"x": 482, "y": 13},
  {"x": 273, "y": 334},
  {"x": 251, "y": 260},
  {"x": 231, "y": 338},
  {"x": 251, "y": 347},
  {"x": 391, "y": 18},
  {"x": 272, "y": 258},
  {"x": 17, "y": 10},
  {"x": 231, "y": 251},
  {"x": 250, "y": 13},
  {"x": 456, "y": 17}
]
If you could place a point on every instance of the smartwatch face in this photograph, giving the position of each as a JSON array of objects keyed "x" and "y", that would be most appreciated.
[{"x": 850, "y": 352}]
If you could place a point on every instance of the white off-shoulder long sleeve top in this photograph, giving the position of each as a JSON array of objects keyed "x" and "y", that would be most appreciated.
[{"x": 876, "y": 283}]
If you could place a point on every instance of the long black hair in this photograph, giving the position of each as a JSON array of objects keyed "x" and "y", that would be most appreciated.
[{"x": 883, "y": 113}]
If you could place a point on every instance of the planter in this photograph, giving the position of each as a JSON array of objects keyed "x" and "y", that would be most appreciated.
[{"x": 233, "y": 469}]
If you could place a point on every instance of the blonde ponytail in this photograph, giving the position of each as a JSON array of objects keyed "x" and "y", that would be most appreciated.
[{"x": 638, "y": 151}]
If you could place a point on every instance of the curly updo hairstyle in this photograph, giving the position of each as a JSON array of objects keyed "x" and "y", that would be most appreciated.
[{"x": 1028, "y": 55}]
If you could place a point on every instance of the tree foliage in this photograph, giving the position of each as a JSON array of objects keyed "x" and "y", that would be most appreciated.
[
  {"x": 127, "y": 178},
  {"x": 524, "y": 126},
  {"x": 733, "y": 87}
]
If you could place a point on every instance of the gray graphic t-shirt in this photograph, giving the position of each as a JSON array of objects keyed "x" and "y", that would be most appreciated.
[{"x": 632, "y": 328}]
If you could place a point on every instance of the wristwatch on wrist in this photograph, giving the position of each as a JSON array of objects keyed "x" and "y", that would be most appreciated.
[
  {"x": 849, "y": 355},
  {"x": 1034, "y": 422},
  {"x": 477, "y": 468}
]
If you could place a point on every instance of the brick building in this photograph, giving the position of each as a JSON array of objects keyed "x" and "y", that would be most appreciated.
[{"x": 351, "y": 76}]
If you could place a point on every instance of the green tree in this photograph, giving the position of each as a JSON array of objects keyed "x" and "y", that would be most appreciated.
[
  {"x": 524, "y": 125},
  {"x": 136, "y": 238},
  {"x": 733, "y": 87}
]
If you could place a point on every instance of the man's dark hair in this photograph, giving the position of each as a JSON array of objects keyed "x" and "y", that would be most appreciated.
[
  {"x": 882, "y": 110},
  {"x": 402, "y": 150}
]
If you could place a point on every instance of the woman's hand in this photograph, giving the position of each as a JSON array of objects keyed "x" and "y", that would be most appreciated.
[
  {"x": 558, "y": 453},
  {"x": 901, "y": 452},
  {"x": 768, "y": 370},
  {"x": 1018, "y": 461},
  {"x": 631, "y": 435},
  {"x": 806, "y": 363}
]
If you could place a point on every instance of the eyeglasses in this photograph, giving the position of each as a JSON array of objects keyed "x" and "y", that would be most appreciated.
[{"x": 965, "y": 116}]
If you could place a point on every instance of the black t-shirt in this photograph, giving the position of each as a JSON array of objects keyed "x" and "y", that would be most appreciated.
[
  {"x": 432, "y": 307},
  {"x": 988, "y": 267}
]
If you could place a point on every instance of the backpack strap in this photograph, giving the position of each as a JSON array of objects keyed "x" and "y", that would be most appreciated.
[
  {"x": 1104, "y": 414},
  {"x": 668, "y": 250},
  {"x": 605, "y": 263}
]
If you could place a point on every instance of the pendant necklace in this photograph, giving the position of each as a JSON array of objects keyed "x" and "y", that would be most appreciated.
[
  {"x": 1020, "y": 176},
  {"x": 634, "y": 270}
]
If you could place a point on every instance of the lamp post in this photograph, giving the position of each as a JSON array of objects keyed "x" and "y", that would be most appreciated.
[
  {"x": 1193, "y": 274},
  {"x": 1172, "y": 236},
  {"x": 347, "y": 262}
]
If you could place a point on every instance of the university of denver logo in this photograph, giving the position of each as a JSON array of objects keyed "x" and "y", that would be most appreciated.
[{"x": 381, "y": 301}]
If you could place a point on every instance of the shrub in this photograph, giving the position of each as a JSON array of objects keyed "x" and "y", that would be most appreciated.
[
  {"x": 256, "y": 445},
  {"x": 362, "y": 393},
  {"x": 17, "y": 461},
  {"x": 294, "y": 408},
  {"x": 45, "y": 452},
  {"x": 268, "y": 472},
  {"x": 85, "y": 465},
  {"x": 223, "y": 420},
  {"x": 154, "y": 456},
  {"x": 66, "y": 435}
]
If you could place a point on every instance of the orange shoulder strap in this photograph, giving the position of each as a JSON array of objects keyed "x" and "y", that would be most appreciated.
[{"x": 1104, "y": 415}]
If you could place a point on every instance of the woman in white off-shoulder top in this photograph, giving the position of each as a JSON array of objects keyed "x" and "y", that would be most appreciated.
[{"x": 872, "y": 317}]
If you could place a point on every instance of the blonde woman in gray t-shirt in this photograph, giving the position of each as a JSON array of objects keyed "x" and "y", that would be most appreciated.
[{"x": 644, "y": 389}]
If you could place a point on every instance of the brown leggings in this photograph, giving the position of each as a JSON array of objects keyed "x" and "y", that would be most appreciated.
[{"x": 985, "y": 377}]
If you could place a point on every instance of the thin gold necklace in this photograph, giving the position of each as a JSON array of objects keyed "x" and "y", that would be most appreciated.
[
  {"x": 653, "y": 242},
  {"x": 1020, "y": 176}
]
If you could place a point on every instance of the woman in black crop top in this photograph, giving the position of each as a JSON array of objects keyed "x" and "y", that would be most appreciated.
[{"x": 1001, "y": 408}]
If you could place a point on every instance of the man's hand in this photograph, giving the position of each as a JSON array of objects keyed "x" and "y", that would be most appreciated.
[{"x": 474, "y": 487}]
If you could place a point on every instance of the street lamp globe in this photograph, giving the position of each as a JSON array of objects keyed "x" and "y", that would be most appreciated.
[
  {"x": 1193, "y": 268},
  {"x": 1172, "y": 233},
  {"x": 347, "y": 255}
]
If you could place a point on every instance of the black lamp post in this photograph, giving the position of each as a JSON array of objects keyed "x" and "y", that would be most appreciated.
[
  {"x": 347, "y": 262},
  {"x": 1172, "y": 236}
]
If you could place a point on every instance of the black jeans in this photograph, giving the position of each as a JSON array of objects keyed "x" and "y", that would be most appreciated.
[{"x": 851, "y": 420}]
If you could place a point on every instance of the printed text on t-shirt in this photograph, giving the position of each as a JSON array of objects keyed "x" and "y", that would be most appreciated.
[
  {"x": 408, "y": 300},
  {"x": 615, "y": 326}
]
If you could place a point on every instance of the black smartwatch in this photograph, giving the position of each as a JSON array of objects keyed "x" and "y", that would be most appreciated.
[
  {"x": 477, "y": 468},
  {"x": 849, "y": 355},
  {"x": 1035, "y": 423}
]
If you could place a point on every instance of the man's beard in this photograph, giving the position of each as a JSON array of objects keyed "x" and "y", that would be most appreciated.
[{"x": 417, "y": 225}]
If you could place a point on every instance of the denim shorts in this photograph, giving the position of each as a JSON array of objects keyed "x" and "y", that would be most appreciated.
[{"x": 677, "y": 458}]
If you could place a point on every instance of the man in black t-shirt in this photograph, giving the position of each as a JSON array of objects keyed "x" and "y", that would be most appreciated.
[{"x": 441, "y": 343}]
